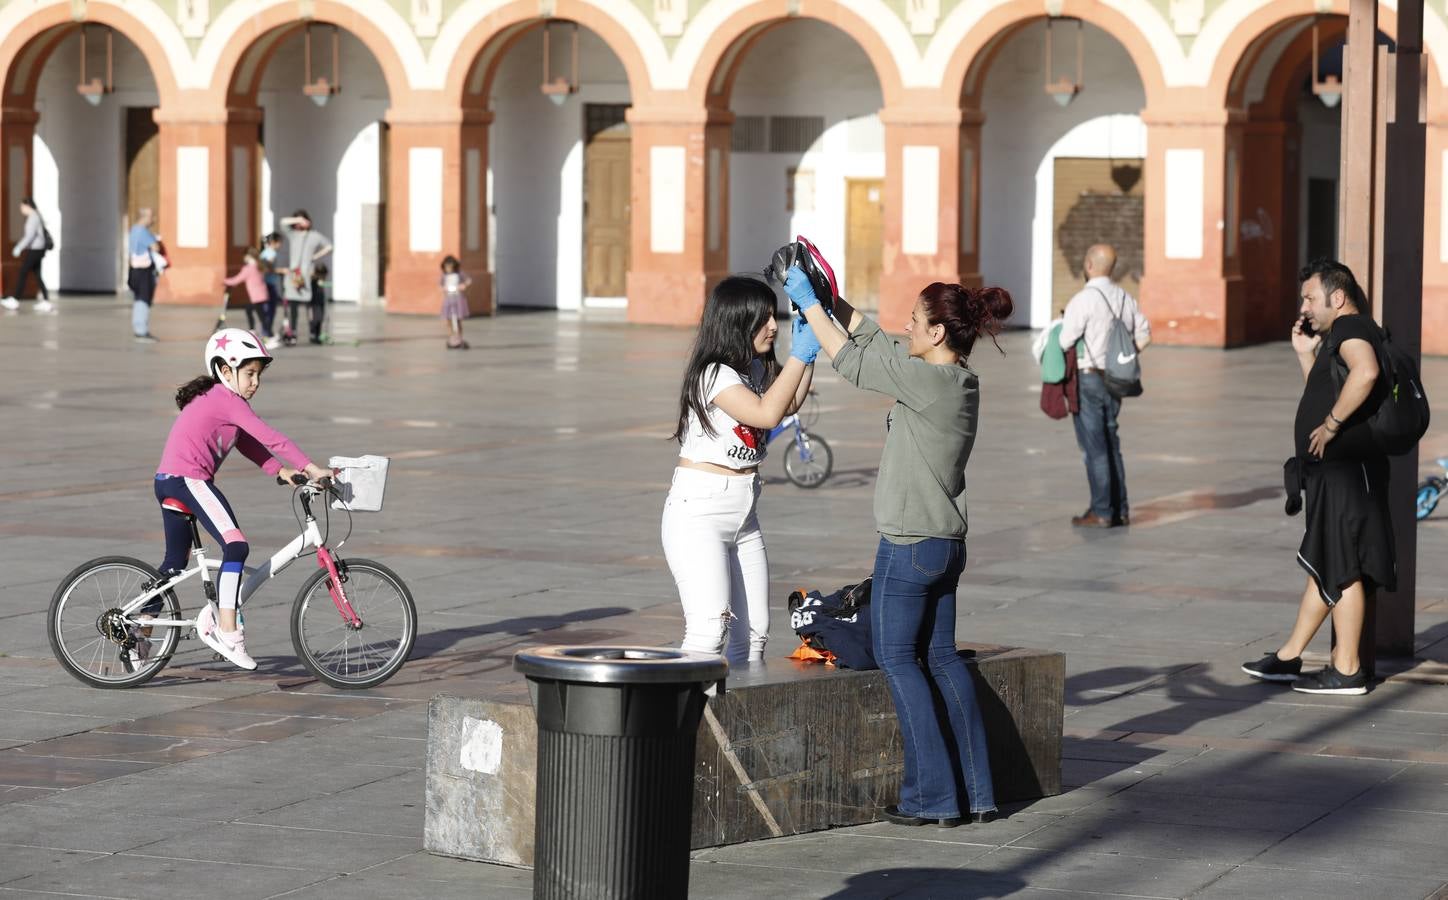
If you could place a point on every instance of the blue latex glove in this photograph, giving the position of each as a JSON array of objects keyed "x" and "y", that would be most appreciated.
[
  {"x": 803, "y": 345},
  {"x": 798, "y": 289}
]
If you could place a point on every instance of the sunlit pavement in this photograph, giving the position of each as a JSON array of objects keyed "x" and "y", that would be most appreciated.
[{"x": 528, "y": 475}]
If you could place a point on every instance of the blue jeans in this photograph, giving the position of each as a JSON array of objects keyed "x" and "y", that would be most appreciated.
[
  {"x": 140, "y": 318},
  {"x": 1096, "y": 436},
  {"x": 912, "y": 615}
]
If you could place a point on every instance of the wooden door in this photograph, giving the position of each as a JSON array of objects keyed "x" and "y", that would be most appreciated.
[
  {"x": 864, "y": 242},
  {"x": 607, "y": 159},
  {"x": 143, "y": 165}
]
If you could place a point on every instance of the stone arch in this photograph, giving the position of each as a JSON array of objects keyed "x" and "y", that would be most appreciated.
[
  {"x": 718, "y": 61},
  {"x": 475, "y": 63},
  {"x": 244, "y": 56},
  {"x": 971, "y": 59},
  {"x": 29, "y": 45}
]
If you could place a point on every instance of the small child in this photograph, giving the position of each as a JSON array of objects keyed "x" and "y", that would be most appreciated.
[
  {"x": 317, "y": 306},
  {"x": 255, "y": 282},
  {"x": 454, "y": 304},
  {"x": 271, "y": 249}
]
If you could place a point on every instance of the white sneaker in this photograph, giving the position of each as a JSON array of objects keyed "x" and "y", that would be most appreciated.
[
  {"x": 44, "y": 306},
  {"x": 230, "y": 644},
  {"x": 206, "y": 620},
  {"x": 10, "y": 303},
  {"x": 272, "y": 343}
]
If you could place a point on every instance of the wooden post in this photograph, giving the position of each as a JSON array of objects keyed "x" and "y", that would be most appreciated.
[
  {"x": 1356, "y": 185},
  {"x": 1401, "y": 303}
]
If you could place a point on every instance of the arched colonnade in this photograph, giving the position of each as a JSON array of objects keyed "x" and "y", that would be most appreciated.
[{"x": 1215, "y": 108}]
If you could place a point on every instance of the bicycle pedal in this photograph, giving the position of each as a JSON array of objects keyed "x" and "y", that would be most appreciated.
[{"x": 217, "y": 657}]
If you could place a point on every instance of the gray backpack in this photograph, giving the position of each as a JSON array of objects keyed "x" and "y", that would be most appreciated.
[{"x": 1121, "y": 370}]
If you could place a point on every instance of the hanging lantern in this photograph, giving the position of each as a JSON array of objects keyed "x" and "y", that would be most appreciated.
[
  {"x": 1329, "y": 88},
  {"x": 1063, "y": 90},
  {"x": 320, "y": 89},
  {"x": 557, "y": 88},
  {"x": 95, "y": 89}
]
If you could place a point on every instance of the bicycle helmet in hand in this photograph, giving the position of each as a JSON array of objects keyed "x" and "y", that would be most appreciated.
[{"x": 233, "y": 346}]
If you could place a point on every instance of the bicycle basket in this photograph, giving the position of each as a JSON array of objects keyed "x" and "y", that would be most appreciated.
[{"x": 360, "y": 482}]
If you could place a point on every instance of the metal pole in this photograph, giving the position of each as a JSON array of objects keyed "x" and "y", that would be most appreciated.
[{"x": 1405, "y": 155}]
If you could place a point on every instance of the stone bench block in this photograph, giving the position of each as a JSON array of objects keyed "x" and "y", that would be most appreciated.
[{"x": 788, "y": 748}]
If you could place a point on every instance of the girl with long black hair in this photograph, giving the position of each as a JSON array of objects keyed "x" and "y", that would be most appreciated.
[{"x": 733, "y": 393}]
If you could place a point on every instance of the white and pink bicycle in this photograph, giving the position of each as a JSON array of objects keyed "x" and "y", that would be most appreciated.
[{"x": 353, "y": 622}]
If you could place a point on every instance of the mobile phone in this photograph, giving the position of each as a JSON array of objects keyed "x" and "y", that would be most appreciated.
[{"x": 1307, "y": 328}]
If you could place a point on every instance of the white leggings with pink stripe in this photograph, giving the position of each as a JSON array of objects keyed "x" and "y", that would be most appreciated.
[{"x": 215, "y": 515}]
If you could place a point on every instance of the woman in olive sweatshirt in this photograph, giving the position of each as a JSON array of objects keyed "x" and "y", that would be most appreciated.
[{"x": 920, "y": 514}]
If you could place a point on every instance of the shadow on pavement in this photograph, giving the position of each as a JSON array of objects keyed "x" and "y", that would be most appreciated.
[{"x": 955, "y": 884}]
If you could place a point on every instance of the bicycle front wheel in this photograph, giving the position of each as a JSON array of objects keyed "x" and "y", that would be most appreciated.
[
  {"x": 808, "y": 461},
  {"x": 90, "y": 637},
  {"x": 348, "y": 656}
]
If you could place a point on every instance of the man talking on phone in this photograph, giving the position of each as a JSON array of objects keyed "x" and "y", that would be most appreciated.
[{"x": 1347, "y": 550}]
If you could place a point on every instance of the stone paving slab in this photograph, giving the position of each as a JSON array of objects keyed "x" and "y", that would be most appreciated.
[{"x": 527, "y": 480}]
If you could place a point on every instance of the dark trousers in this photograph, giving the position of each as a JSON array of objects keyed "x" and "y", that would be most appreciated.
[
  {"x": 1101, "y": 447},
  {"x": 29, "y": 262}
]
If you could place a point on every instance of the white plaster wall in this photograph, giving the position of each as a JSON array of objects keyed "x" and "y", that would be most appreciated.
[
  {"x": 1025, "y": 130},
  {"x": 803, "y": 68},
  {"x": 1321, "y": 151},
  {"x": 535, "y": 168},
  {"x": 327, "y": 160},
  {"x": 79, "y": 176}
]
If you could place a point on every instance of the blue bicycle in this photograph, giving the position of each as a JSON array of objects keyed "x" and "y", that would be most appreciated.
[
  {"x": 808, "y": 460},
  {"x": 1430, "y": 491}
]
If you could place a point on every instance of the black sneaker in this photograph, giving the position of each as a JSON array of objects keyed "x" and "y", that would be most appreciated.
[
  {"x": 1331, "y": 681},
  {"x": 1272, "y": 668}
]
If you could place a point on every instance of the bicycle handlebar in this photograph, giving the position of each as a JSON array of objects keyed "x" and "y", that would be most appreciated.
[{"x": 325, "y": 482}]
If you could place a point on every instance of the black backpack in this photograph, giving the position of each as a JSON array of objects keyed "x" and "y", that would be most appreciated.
[{"x": 1402, "y": 418}]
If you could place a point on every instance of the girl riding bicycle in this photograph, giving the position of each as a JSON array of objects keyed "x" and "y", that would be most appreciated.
[
  {"x": 733, "y": 393},
  {"x": 216, "y": 416}
]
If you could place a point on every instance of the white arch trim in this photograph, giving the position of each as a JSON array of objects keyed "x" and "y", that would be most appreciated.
[
  {"x": 464, "y": 18},
  {"x": 232, "y": 19},
  {"x": 1227, "y": 18},
  {"x": 961, "y": 20},
  {"x": 149, "y": 13},
  {"x": 711, "y": 18}
]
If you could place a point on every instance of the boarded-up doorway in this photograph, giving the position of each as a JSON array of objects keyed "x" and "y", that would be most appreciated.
[
  {"x": 143, "y": 177},
  {"x": 607, "y": 159},
  {"x": 864, "y": 241},
  {"x": 1097, "y": 201}
]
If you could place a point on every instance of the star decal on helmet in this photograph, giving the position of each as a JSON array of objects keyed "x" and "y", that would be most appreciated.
[{"x": 222, "y": 341}]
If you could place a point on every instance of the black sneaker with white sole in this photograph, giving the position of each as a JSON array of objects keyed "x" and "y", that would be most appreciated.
[
  {"x": 1331, "y": 681},
  {"x": 1273, "y": 668}
]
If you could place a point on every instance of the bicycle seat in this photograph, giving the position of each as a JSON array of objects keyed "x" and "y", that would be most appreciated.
[{"x": 176, "y": 506}]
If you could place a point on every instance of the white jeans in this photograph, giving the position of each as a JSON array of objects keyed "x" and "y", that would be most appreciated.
[{"x": 716, "y": 552}]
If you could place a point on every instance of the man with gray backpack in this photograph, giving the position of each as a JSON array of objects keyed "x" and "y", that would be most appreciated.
[{"x": 1107, "y": 328}]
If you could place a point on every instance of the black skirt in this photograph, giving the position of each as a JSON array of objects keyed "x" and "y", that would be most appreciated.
[{"x": 1349, "y": 531}]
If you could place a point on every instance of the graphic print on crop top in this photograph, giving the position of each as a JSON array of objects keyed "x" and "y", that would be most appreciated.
[{"x": 734, "y": 445}]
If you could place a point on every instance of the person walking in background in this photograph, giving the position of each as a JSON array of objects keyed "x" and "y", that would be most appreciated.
[
  {"x": 454, "y": 282},
  {"x": 920, "y": 515},
  {"x": 317, "y": 306},
  {"x": 1089, "y": 318},
  {"x": 271, "y": 246},
  {"x": 30, "y": 250},
  {"x": 733, "y": 393},
  {"x": 250, "y": 275},
  {"x": 305, "y": 246},
  {"x": 142, "y": 243},
  {"x": 1347, "y": 549}
]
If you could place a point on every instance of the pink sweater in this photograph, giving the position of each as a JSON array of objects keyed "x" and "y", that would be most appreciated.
[
  {"x": 255, "y": 284},
  {"x": 211, "y": 425}
]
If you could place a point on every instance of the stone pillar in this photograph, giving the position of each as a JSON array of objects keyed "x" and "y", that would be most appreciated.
[
  {"x": 1435, "y": 225},
  {"x": 17, "y": 142},
  {"x": 425, "y": 205},
  {"x": 1186, "y": 290},
  {"x": 193, "y": 219},
  {"x": 680, "y": 212},
  {"x": 473, "y": 229},
  {"x": 923, "y": 151}
]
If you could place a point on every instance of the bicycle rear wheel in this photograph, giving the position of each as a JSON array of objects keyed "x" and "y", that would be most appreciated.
[
  {"x": 808, "y": 461},
  {"x": 338, "y": 653},
  {"x": 88, "y": 634}
]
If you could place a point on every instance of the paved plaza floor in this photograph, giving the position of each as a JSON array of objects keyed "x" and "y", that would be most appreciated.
[{"x": 528, "y": 476}]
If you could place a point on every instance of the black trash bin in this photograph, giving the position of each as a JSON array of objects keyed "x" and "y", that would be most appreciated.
[{"x": 616, "y": 733}]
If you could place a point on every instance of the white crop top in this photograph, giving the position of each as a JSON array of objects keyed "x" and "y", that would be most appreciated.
[{"x": 733, "y": 446}]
